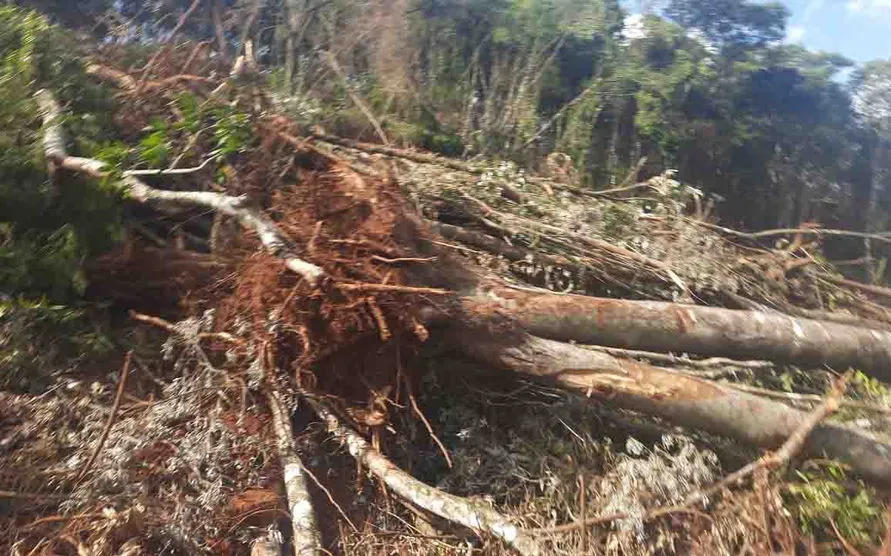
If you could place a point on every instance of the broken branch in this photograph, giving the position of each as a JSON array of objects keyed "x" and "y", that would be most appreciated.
[
  {"x": 452, "y": 508},
  {"x": 122, "y": 381},
  {"x": 249, "y": 216},
  {"x": 306, "y": 539}
]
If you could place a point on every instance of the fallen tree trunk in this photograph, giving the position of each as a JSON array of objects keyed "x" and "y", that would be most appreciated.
[
  {"x": 708, "y": 331},
  {"x": 679, "y": 398}
]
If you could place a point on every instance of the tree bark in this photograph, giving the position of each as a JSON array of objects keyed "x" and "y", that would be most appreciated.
[
  {"x": 293, "y": 15},
  {"x": 707, "y": 331},
  {"x": 306, "y": 539},
  {"x": 216, "y": 13},
  {"x": 679, "y": 398}
]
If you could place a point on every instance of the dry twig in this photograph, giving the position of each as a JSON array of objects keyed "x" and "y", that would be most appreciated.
[
  {"x": 179, "y": 25},
  {"x": 122, "y": 381},
  {"x": 360, "y": 104},
  {"x": 819, "y": 232}
]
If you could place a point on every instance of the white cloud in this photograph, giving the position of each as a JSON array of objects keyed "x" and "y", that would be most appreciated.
[
  {"x": 634, "y": 27},
  {"x": 869, "y": 7},
  {"x": 794, "y": 33}
]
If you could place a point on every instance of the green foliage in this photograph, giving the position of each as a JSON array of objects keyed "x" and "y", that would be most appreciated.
[
  {"x": 46, "y": 229},
  {"x": 732, "y": 22},
  {"x": 821, "y": 498},
  {"x": 155, "y": 146},
  {"x": 232, "y": 131},
  {"x": 869, "y": 386},
  {"x": 618, "y": 218}
]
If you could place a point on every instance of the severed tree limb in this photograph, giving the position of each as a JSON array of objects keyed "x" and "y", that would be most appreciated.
[
  {"x": 874, "y": 290},
  {"x": 216, "y": 14},
  {"x": 414, "y": 156},
  {"x": 306, "y": 536},
  {"x": 681, "y": 399},
  {"x": 473, "y": 515},
  {"x": 819, "y": 232},
  {"x": 708, "y": 331},
  {"x": 246, "y": 29},
  {"x": 239, "y": 208},
  {"x": 125, "y": 81}
]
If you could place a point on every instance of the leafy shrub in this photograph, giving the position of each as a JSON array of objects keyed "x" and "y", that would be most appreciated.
[
  {"x": 822, "y": 501},
  {"x": 46, "y": 231}
]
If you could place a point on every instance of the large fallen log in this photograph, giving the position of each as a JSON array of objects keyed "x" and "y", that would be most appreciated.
[
  {"x": 671, "y": 327},
  {"x": 679, "y": 398}
]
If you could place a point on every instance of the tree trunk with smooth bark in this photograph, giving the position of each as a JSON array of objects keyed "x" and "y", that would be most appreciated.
[
  {"x": 707, "y": 331},
  {"x": 682, "y": 399}
]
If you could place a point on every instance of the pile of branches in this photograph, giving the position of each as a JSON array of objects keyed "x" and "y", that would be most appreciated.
[{"x": 300, "y": 286}]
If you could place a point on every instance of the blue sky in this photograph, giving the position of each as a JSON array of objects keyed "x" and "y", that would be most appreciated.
[{"x": 858, "y": 29}]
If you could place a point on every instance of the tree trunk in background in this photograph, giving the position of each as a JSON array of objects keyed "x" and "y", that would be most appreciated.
[
  {"x": 708, "y": 331},
  {"x": 216, "y": 14},
  {"x": 293, "y": 15}
]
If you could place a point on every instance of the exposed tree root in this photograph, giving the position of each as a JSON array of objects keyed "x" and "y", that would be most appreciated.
[{"x": 383, "y": 273}]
